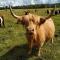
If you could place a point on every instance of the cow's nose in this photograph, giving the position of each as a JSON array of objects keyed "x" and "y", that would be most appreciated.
[{"x": 32, "y": 30}]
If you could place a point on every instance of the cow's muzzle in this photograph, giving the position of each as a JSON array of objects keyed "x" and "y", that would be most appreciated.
[{"x": 30, "y": 32}]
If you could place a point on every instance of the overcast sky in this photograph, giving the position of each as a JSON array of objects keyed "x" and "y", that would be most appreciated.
[{"x": 26, "y": 2}]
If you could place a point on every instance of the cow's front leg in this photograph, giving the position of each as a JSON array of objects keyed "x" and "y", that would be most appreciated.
[
  {"x": 30, "y": 45},
  {"x": 39, "y": 48}
]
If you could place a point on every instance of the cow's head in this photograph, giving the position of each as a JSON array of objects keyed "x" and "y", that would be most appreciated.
[{"x": 31, "y": 28}]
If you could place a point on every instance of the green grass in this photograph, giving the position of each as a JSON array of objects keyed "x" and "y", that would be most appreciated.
[{"x": 13, "y": 42}]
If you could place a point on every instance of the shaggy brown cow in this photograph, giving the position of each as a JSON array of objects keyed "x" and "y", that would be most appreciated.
[
  {"x": 38, "y": 29},
  {"x": 38, "y": 34}
]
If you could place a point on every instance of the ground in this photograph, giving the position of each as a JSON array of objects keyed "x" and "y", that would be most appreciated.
[{"x": 13, "y": 43}]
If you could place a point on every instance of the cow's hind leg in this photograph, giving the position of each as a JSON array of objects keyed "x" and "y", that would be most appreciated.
[{"x": 52, "y": 40}]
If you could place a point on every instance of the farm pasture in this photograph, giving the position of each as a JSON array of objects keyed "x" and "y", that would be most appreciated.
[{"x": 13, "y": 42}]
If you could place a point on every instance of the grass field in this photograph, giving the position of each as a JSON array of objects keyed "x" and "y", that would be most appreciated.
[{"x": 13, "y": 42}]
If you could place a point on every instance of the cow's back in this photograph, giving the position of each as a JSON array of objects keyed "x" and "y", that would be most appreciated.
[
  {"x": 49, "y": 28},
  {"x": 46, "y": 30}
]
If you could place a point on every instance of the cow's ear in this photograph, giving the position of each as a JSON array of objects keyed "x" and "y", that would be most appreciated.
[{"x": 42, "y": 20}]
